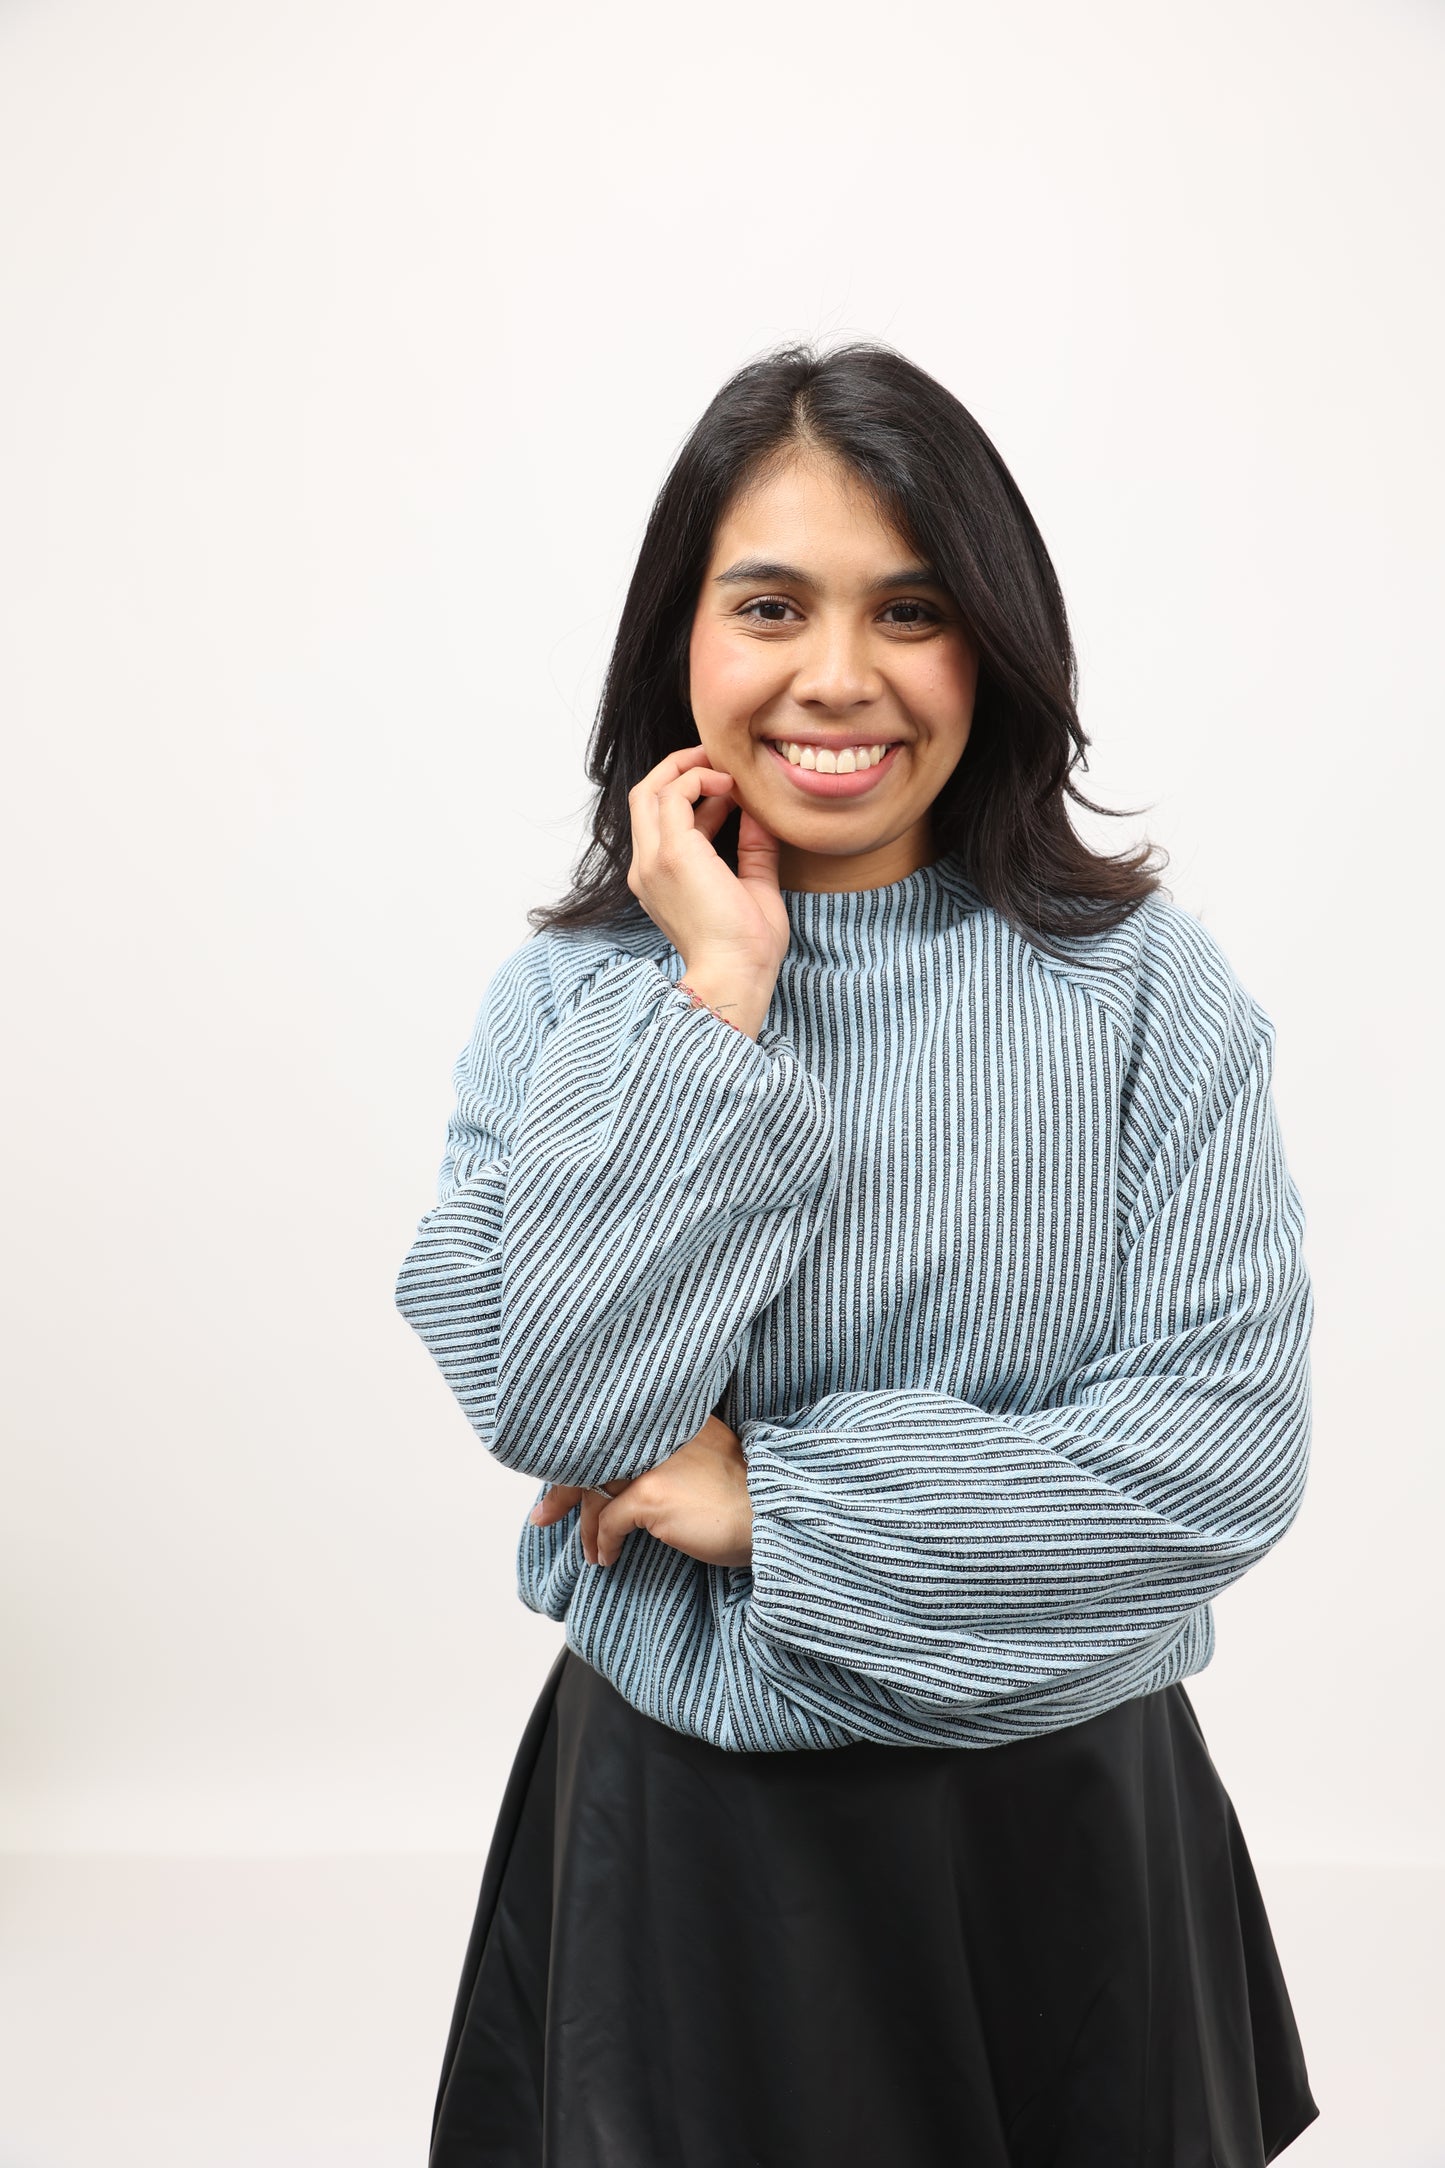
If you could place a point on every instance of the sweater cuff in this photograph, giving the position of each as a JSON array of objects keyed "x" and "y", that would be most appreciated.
[
  {"x": 636, "y": 1060},
  {"x": 777, "y": 1580}
]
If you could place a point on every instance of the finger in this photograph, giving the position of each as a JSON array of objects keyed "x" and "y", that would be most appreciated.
[
  {"x": 670, "y": 766},
  {"x": 613, "y": 1524},
  {"x": 557, "y": 1502},
  {"x": 757, "y": 852},
  {"x": 642, "y": 798},
  {"x": 709, "y": 814},
  {"x": 677, "y": 802},
  {"x": 591, "y": 1512}
]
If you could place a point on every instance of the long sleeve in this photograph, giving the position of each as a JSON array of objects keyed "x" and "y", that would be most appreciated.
[
  {"x": 950, "y": 1554},
  {"x": 627, "y": 1183}
]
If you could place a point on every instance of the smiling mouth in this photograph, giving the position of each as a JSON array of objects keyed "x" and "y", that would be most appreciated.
[
  {"x": 834, "y": 773},
  {"x": 830, "y": 759}
]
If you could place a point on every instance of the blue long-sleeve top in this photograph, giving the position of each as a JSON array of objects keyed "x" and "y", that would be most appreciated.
[{"x": 991, "y": 1259}]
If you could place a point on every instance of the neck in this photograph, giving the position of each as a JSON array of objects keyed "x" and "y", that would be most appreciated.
[{"x": 831, "y": 873}]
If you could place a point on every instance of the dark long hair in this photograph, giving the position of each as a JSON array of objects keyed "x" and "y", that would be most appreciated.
[{"x": 933, "y": 475}]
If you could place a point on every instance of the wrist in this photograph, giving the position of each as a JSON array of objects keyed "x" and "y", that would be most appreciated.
[{"x": 743, "y": 997}]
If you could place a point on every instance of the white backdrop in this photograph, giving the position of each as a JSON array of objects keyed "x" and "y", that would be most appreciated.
[{"x": 342, "y": 350}]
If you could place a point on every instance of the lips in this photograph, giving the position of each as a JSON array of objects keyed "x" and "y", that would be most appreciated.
[
  {"x": 824, "y": 751},
  {"x": 820, "y": 783}
]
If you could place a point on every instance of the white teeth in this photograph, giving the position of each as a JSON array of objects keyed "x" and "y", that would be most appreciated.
[{"x": 829, "y": 762}]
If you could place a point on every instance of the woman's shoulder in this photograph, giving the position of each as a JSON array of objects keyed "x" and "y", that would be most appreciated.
[
  {"x": 1157, "y": 937},
  {"x": 1164, "y": 976}
]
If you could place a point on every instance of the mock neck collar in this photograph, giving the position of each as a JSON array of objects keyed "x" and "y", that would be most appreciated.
[{"x": 869, "y": 925}]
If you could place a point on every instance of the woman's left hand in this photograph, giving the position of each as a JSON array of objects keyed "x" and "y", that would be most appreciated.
[{"x": 696, "y": 1500}]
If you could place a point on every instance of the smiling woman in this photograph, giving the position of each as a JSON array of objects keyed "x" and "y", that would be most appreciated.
[
  {"x": 864, "y": 1215},
  {"x": 839, "y": 558},
  {"x": 839, "y": 680}
]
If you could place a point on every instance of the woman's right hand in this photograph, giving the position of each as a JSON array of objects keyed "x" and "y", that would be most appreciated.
[
  {"x": 731, "y": 930},
  {"x": 562, "y": 1497}
]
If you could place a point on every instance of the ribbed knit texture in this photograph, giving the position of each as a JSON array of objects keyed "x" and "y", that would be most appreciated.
[{"x": 992, "y": 1260}]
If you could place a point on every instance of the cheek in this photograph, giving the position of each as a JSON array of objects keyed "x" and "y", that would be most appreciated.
[
  {"x": 728, "y": 676},
  {"x": 941, "y": 693}
]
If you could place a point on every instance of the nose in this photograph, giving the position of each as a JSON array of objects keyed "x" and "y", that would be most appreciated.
[{"x": 835, "y": 668}]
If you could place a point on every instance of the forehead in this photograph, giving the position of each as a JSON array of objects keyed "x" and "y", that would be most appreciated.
[{"x": 810, "y": 519}]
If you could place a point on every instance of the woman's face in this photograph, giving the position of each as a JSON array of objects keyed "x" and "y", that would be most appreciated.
[{"x": 817, "y": 627}]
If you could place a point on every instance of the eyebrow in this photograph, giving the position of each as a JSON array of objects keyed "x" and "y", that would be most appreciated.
[{"x": 752, "y": 571}]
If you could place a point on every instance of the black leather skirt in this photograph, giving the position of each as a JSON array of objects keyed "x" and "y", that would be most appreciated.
[{"x": 1050, "y": 1953}]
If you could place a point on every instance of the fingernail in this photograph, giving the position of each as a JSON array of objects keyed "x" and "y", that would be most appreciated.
[{"x": 536, "y": 1512}]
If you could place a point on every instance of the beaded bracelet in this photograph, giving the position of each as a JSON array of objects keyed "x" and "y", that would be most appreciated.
[{"x": 697, "y": 1002}]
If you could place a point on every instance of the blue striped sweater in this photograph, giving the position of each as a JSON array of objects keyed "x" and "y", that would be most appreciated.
[{"x": 991, "y": 1259}]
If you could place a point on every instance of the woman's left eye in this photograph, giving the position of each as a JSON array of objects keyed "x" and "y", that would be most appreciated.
[{"x": 929, "y": 617}]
